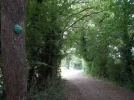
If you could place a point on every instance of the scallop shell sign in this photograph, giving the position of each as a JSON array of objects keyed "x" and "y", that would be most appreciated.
[{"x": 18, "y": 29}]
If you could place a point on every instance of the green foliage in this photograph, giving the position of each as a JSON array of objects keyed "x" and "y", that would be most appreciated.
[
  {"x": 105, "y": 39},
  {"x": 54, "y": 91},
  {"x": 114, "y": 71},
  {"x": 78, "y": 66},
  {"x": 2, "y": 88},
  {"x": 46, "y": 23},
  {"x": 129, "y": 85},
  {"x": 45, "y": 27},
  {"x": 101, "y": 31}
]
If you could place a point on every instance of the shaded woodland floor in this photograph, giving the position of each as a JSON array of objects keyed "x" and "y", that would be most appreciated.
[{"x": 80, "y": 87}]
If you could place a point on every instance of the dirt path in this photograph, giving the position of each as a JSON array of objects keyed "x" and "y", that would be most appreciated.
[{"x": 79, "y": 87}]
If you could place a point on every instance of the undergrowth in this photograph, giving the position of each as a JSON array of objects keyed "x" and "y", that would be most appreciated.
[
  {"x": 129, "y": 85},
  {"x": 54, "y": 91}
]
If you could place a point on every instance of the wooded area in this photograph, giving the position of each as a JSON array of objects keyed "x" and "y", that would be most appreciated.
[{"x": 99, "y": 31}]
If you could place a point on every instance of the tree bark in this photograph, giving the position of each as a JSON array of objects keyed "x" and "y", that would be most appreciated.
[
  {"x": 0, "y": 30},
  {"x": 13, "y": 49}
]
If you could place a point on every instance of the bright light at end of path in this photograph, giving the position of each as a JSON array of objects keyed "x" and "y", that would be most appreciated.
[{"x": 69, "y": 73}]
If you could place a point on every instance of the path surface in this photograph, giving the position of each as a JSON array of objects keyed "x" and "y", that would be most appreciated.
[{"x": 79, "y": 87}]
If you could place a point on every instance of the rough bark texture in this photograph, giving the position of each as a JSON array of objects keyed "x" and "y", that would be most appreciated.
[
  {"x": 13, "y": 49},
  {"x": 0, "y": 29}
]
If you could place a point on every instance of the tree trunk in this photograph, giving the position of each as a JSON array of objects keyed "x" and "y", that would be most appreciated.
[
  {"x": 0, "y": 31},
  {"x": 13, "y": 49}
]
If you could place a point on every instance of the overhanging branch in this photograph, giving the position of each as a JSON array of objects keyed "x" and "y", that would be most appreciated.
[
  {"x": 80, "y": 19},
  {"x": 78, "y": 13}
]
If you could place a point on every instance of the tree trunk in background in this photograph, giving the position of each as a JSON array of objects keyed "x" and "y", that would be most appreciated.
[
  {"x": 13, "y": 49},
  {"x": 68, "y": 59}
]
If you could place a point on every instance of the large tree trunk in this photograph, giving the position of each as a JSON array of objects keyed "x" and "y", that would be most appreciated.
[
  {"x": 13, "y": 49},
  {"x": 0, "y": 30}
]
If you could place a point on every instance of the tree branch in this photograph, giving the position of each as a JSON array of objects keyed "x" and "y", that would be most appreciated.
[
  {"x": 78, "y": 12},
  {"x": 75, "y": 14},
  {"x": 80, "y": 19}
]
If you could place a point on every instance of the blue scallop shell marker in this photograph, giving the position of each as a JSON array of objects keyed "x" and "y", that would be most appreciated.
[{"x": 18, "y": 29}]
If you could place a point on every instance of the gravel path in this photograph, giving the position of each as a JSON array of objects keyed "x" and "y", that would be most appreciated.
[{"x": 80, "y": 87}]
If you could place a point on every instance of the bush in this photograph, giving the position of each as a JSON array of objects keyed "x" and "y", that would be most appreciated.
[
  {"x": 54, "y": 91},
  {"x": 129, "y": 85}
]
